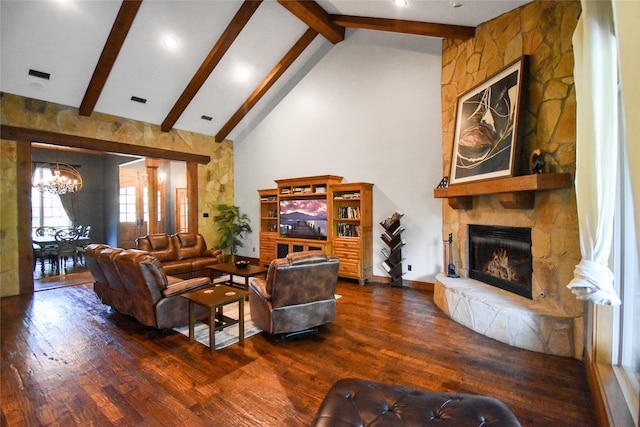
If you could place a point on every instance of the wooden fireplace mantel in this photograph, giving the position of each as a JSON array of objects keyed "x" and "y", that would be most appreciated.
[{"x": 516, "y": 192}]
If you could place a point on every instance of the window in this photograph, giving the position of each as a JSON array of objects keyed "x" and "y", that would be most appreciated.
[
  {"x": 128, "y": 204},
  {"x": 625, "y": 352},
  {"x": 46, "y": 208}
]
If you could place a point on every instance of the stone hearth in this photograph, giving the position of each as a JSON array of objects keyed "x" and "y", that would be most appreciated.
[{"x": 509, "y": 318}]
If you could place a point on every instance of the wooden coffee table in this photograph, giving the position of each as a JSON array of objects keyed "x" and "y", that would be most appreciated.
[
  {"x": 214, "y": 299},
  {"x": 231, "y": 269}
]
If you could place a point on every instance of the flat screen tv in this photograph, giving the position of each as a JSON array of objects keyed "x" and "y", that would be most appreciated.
[{"x": 304, "y": 218}]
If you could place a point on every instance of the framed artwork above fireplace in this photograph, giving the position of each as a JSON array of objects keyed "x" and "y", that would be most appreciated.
[{"x": 487, "y": 119}]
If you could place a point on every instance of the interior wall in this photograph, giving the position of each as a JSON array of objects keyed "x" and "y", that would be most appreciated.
[{"x": 369, "y": 111}]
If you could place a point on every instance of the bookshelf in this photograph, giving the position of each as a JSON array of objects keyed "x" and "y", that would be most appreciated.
[
  {"x": 349, "y": 225},
  {"x": 268, "y": 225},
  {"x": 392, "y": 237},
  {"x": 351, "y": 228}
]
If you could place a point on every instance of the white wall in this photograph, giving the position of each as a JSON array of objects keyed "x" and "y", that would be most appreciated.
[{"x": 368, "y": 111}]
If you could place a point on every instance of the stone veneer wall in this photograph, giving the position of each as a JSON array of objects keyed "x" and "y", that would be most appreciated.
[
  {"x": 215, "y": 180},
  {"x": 542, "y": 30}
]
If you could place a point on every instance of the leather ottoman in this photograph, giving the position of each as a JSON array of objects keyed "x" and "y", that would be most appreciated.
[{"x": 355, "y": 402}]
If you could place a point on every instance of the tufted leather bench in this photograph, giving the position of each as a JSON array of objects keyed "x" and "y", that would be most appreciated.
[{"x": 356, "y": 402}]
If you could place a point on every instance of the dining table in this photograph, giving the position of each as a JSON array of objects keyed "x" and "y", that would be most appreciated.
[{"x": 43, "y": 241}]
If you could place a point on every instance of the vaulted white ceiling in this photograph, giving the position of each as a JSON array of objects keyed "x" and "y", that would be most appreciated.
[{"x": 232, "y": 60}]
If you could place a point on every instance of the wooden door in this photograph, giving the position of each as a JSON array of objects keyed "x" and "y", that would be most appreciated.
[{"x": 133, "y": 223}]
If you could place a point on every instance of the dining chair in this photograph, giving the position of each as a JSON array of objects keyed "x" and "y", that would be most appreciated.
[
  {"x": 44, "y": 252},
  {"x": 83, "y": 240},
  {"x": 67, "y": 241}
]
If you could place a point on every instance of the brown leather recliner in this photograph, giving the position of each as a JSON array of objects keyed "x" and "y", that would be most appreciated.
[
  {"x": 297, "y": 294},
  {"x": 100, "y": 282},
  {"x": 155, "y": 298},
  {"x": 120, "y": 299}
]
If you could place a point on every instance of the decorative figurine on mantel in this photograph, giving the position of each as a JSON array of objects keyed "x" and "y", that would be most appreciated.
[
  {"x": 451, "y": 268},
  {"x": 444, "y": 182}
]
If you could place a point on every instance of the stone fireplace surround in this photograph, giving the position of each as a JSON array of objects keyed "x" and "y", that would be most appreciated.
[
  {"x": 509, "y": 318},
  {"x": 552, "y": 324},
  {"x": 552, "y": 321}
]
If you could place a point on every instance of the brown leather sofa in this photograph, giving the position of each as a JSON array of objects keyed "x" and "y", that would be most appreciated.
[
  {"x": 297, "y": 294},
  {"x": 134, "y": 283},
  {"x": 356, "y": 402},
  {"x": 182, "y": 254}
]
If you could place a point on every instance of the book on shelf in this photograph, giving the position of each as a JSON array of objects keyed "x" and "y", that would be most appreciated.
[
  {"x": 347, "y": 212},
  {"x": 299, "y": 190},
  {"x": 348, "y": 230},
  {"x": 385, "y": 252},
  {"x": 391, "y": 219},
  {"x": 386, "y": 266},
  {"x": 342, "y": 196},
  {"x": 400, "y": 244}
]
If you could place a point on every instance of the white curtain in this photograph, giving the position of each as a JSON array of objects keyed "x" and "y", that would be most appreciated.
[{"x": 596, "y": 80}]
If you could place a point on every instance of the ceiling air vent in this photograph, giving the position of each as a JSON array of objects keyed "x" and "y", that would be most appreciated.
[
  {"x": 138, "y": 99},
  {"x": 207, "y": 118},
  {"x": 39, "y": 74}
]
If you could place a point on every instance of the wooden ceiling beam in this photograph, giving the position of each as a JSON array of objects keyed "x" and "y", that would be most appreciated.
[
  {"x": 312, "y": 14},
  {"x": 20, "y": 134},
  {"x": 124, "y": 20},
  {"x": 221, "y": 47},
  {"x": 406, "y": 27},
  {"x": 267, "y": 83}
]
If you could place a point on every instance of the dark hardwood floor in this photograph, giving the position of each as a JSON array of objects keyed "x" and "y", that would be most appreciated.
[{"x": 68, "y": 360}]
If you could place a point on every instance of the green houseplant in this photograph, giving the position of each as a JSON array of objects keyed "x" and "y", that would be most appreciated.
[{"x": 231, "y": 225}]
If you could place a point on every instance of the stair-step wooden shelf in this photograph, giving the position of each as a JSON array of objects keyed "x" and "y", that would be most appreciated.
[{"x": 516, "y": 192}]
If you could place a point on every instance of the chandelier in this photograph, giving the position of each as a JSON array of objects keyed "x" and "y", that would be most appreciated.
[{"x": 64, "y": 179}]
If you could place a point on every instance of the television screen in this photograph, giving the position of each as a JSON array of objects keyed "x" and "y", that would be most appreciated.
[{"x": 306, "y": 218}]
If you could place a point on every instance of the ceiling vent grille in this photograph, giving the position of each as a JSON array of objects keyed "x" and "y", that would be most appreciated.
[
  {"x": 138, "y": 99},
  {"x": 207, "y": 118},
  {"x": 39, "y": 74}
]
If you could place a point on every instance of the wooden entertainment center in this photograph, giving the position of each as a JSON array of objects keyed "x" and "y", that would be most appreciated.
[{"x": 346, "y": 232}]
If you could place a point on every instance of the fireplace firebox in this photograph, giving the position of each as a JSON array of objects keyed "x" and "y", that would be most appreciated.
[{"x": 501, "y": 257}]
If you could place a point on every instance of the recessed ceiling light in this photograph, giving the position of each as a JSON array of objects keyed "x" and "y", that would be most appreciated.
[
  {"x": 170, "y": 42},
  {"x": 242, "y": 73},
  {"x": 400, "y": 3}
]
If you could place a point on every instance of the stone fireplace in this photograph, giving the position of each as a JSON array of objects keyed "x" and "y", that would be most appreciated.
[
  {"x": 501, "y": 257},
  {"x": 551, "y": 321}
]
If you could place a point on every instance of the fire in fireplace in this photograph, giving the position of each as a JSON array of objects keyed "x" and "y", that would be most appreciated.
[{"x": 501, "y": 257}]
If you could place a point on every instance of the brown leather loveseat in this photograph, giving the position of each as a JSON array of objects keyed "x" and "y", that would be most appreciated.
[
  {"x": 357, "y": 402},
  {"x": 134, "y": 283},
  {"x": 182, "y": 254},
  {"x": 298, "y": 293}
]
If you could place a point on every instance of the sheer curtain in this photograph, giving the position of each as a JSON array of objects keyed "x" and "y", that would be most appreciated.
[{"x": 596, "y": 81}]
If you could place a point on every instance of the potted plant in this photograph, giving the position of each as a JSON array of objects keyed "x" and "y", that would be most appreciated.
[{"x": 231, "y": 226}]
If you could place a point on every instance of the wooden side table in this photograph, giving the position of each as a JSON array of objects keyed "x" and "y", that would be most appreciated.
[
  {"x": 231, "y": 269},
  {"x": 215, "y": 299}
]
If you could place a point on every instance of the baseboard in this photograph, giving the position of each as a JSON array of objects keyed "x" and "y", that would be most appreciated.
[{"x": 413, "y": 284}]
